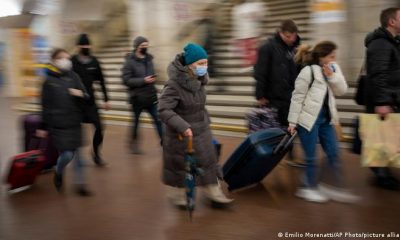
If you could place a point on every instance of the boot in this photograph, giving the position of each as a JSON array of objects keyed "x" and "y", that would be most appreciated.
[
  {"x": 177, "y": 196},
  {"x": 215, "y": 194}
]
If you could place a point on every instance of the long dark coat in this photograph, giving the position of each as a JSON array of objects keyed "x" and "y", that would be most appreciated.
[
  {"x": 182, "y": 106},
  {"x": 62, "y": 113}
]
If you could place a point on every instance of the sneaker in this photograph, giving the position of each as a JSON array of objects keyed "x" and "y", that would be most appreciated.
[
  {"x": 312, "y": 195},
  {"x": 57, "y": 180},
  {"x": 337, "y": 194}
]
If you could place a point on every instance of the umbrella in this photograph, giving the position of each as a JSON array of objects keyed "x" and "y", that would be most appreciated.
[{"x": 192, "y": 170}]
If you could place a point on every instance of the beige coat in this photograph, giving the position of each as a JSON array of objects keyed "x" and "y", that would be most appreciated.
[{"x": 307, "y": 101}]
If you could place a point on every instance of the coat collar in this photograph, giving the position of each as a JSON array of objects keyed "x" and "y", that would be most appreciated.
[{"x": 180, "y": 74}]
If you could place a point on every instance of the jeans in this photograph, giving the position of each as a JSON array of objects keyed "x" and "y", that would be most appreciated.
[
  {"x": 152, "y": 110},
  {"x": 325, "y": 133},
  {"x": 66, "y": 157}
]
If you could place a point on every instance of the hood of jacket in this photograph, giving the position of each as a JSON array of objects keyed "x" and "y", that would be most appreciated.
[
  {"x": 380, "y": 33},
  {"x": 180, "y": 73}
]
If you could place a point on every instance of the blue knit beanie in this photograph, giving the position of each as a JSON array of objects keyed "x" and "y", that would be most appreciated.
[{"x": 194, "y": 53}]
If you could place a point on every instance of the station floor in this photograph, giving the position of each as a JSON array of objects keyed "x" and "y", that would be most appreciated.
[{"x": 129, "y": 200}]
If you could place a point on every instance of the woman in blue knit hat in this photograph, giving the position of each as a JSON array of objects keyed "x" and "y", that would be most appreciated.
[{"x": 182, "y": 109}]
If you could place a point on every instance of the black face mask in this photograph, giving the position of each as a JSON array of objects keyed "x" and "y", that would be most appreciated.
[
  {"x": 85, "y": 51},
  {"x": 143, "y": 51}
]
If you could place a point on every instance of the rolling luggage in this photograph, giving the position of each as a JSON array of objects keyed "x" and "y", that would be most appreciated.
[
  {"x": 31, "y": 123},
  {"x": 24, "y": 169},
  {"x": 256, "y": 156}
]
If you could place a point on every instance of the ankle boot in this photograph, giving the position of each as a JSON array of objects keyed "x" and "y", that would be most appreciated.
[
  {"x": 215, "y": 194},
  {"x": 177, "y": 196}
]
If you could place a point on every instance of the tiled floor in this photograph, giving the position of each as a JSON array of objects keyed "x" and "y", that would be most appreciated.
[{"x": 130, "y": 201}]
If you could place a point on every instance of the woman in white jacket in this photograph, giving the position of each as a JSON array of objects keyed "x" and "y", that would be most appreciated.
[{"x": 313, "y": 114}]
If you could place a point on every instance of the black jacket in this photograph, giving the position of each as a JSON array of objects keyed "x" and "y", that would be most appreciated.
[
  {"x": 133, "y": 73},
  {"x": 275, "y": 73},
  {"x": 383, "y": 69},
  {"x": 62, "y": 113},
  {"x": 89, "y": 73}
]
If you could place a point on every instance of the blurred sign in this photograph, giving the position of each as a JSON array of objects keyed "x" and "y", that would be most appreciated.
[
  {"x": 25, "y": 63},
  {"x": 182, "y": 12},
  {"x": 327, "y": 11},
  {"x": 41, "y": 54},
  {"x": 2, "y": 65},
  {"x": 68, "y": 28}
]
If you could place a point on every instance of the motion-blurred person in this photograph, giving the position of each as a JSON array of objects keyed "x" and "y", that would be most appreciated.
[
  {"x": 247, "y": 17},
  {"x": 205, "y": 32},
  {"x": 89, "y": 70},
  {"x": 138, "y": 75},
  {"x": 313, "y": 114},
  {"x": 383, "y": 78},
  {"x": 276, "y": 71},
  {"x": 62, "y": 96},
  {"x": 182, "y": 109}
]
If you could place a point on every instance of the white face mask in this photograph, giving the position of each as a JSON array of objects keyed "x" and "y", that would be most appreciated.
[{"x": 63, "y": 64}]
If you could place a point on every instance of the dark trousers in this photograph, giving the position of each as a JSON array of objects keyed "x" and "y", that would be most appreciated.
[
  {"x": 91, "y": 115},
  {"x": 137, "y": 109}
]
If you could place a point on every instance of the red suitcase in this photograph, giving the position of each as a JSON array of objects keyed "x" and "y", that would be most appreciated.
[{"x": 24, "y": 169}]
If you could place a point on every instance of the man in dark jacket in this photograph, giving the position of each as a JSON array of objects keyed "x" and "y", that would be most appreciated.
[
  {"x": 138, "y": 75},
  {"x": 275, "y": 70},
  {"x": 89, "y": 70},
  {"x": 383, "y": 77}
]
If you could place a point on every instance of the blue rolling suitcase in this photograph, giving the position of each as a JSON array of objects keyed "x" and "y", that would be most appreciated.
[{"x": 256, "y": 156}]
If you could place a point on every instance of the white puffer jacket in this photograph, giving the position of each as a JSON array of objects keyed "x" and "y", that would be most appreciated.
[{"x": 307, "y": 101}]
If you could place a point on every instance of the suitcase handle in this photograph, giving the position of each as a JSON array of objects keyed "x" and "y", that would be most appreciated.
[{"x": 285, "y": 143}]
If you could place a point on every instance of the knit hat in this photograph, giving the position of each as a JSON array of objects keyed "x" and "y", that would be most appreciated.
[
  {"x": 194, "y": 53},
  {"x": 83, "y": 39},
  {"x": 139, "y": 40}
]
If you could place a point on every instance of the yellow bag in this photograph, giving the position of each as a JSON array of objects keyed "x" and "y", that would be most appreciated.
[
  {"x": 339, "y": 132},
  {"x": 380, "y": 140}
]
